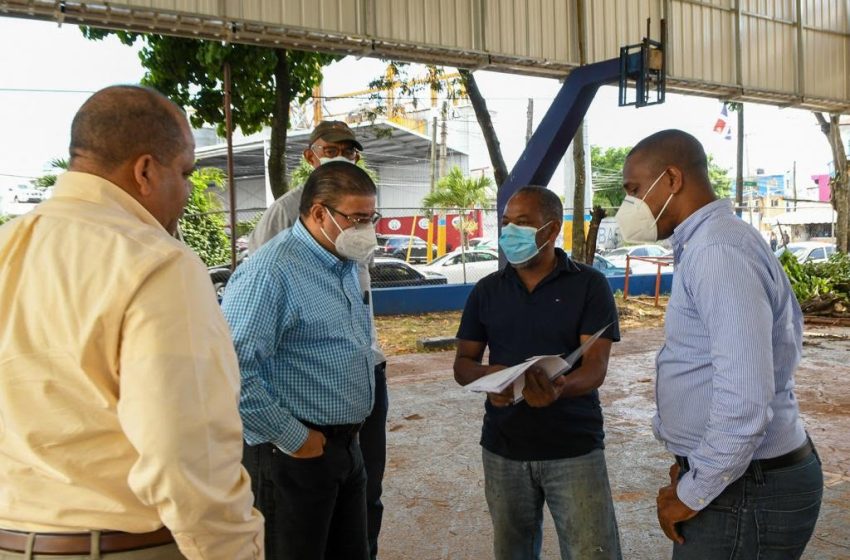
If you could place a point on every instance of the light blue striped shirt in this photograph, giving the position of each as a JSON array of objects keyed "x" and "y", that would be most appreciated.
[
  {"x": 303, "y": 337},
  {"x": 733, "y": 338}
]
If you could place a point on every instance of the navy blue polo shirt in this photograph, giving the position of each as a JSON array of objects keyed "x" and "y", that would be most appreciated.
[{"x": 573, "y": 300}]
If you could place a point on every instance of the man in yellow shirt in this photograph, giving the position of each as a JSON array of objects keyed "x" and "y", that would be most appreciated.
[{"x": 119, "y": 431}]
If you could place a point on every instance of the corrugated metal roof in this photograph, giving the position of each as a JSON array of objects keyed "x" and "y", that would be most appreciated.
[{"x": 793, "y": 52}]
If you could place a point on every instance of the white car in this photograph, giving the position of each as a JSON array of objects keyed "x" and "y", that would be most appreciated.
[
  {"x": 479, "y": 263},
  {"x": 618, "y": 258},
  {"x": 809, "y": 251},
  {"x": 23, "y": 193}
]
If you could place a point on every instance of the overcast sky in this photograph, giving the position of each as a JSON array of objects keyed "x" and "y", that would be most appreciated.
[{"x": 43, "y": 56}]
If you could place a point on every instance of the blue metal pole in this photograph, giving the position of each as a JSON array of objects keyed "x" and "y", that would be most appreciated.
[{"x": 550, "y": 141}]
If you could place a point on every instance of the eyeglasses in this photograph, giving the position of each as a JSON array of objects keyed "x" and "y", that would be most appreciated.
[
  {"x": 356, "y": 220},
  {"x": 333, "y": 151}
]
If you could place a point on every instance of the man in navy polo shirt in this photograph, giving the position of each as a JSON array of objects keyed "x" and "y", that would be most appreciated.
[{"x": 549, "y": 447}]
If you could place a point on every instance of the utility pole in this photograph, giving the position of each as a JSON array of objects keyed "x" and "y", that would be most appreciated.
[
  {"x": 434, "y": 153},
  {"x": 530, "y": 120},
  {"x": 794, "y": 184},
  {"x": 444, "y": 114},
  {"x": 739, "y": 179}
]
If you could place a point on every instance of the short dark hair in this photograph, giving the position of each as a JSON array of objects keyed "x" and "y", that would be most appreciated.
[
  {"x": 673, "y": 147},
  {"x": 550, "y": 205},
  {"x": 120, "y": 123},
  {"x": 331, "y": 181}
]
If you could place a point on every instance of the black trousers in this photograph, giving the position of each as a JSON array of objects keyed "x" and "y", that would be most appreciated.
[
  {"x": 315, "y": 509},
  {"x": 373, "y": 445}
]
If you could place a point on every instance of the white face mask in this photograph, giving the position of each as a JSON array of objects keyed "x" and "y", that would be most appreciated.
[
  {"x": 637, "y": 224},
  {"x": 324, "y": 160},
  {"x": 355, "y": 243}
]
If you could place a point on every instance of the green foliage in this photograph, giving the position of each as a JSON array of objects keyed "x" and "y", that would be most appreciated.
[
  {"x": 299, "y": 174},
  {"x": 815, "y": 280},
  {"x": 607, "y": 173},
  {"x": 4, "y": 218},
  {"x": 203, "y": 222},
  {"x": 245, "y": 227},
  {"x": 190, "y": 72},
  {"x": 454, "y": 191},
  {"x": 49, "y": 179}
]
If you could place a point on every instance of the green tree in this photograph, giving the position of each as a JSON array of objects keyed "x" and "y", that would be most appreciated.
[
  {"x": 607, "y": 173},
  {"x": 456, "y": 192},
  {"x": 49, "y": 178},
  {"x": 264, "y": 82},
  {"x": 203, "y": 222},
  {"x": 299, "y": 174}
]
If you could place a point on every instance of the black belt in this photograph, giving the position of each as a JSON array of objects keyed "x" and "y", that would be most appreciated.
[
  {"x": 790, "y": 458},
  {"x": 336, "y": 430}
]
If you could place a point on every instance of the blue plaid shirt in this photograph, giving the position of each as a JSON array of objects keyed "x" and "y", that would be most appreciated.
[
  {"x": 302, "y": 335},
  {"x": 733, "y": 338}
]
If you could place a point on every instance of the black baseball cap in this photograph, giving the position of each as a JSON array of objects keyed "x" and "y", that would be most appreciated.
[{"x": 334, "y": 131}]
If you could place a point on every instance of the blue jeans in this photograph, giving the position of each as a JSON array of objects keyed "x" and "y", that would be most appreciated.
[
  {"x": 373, "y": 445},
  {"x": 768, "y": 515},
  {"x": 579, "y": 499}
]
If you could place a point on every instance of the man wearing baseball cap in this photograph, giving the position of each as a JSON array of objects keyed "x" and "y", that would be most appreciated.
[{"x": 335, "y": 141}]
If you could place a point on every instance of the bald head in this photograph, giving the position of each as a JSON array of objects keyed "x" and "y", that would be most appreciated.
[
  {"x": 120, "y": 123},
  {"x": 673, "y": 147}
]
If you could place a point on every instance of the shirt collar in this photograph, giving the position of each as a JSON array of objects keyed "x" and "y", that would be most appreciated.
[
  {"x": 325, "y": 257},
  {"x": 686, "y": 230},
  {"x": 96, "y": 189}
]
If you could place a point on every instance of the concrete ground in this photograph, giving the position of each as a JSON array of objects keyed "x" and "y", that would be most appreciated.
[{"x": 434, "y": 495}]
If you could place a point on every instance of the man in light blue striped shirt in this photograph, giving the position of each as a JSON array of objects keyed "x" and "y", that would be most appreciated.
[
  {"x": 302, "y": 332},
  {"x": 747, "y": 482}
]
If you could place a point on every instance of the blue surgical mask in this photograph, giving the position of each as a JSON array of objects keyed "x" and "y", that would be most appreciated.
[{"x": 519, "y": 243}]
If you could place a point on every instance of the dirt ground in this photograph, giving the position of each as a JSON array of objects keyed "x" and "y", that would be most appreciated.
[{"x": 433, "y": 489}]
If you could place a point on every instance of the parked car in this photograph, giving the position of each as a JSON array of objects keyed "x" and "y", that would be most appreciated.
[
  {"x": 395, "y": 273},
  {"x": 396, "y": 246},
  {"x": 23, "y": 193},
  {"x": 808, "y": 251},
  {"x": 483, "y": 243},
  {"x": 618, "y": 258},
  {"x": 607, "y": 267},
  {"x": 479, "y": 263}
]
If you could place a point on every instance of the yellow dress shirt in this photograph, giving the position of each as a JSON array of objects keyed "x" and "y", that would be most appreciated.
[{"x": 119, "y": 385}]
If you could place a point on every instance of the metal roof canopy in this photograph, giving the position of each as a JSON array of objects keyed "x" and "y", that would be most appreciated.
[
  {"x": 384, "y": 143},
  {"x": 784, "y": 52}
]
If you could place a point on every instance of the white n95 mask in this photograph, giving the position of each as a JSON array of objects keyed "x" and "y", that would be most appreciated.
[
  {"x": 637, "y": 224},
  {"x": 355, "y": 243}
]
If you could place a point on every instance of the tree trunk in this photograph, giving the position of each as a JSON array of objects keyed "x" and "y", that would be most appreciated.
[
  {"x": 840, "y": 184},
  {"x": 280, "y": 125},
  {"x": 578, "y": 196},
  {"x": 500, "y": 170},
  {"x": 590, "y": 243}
]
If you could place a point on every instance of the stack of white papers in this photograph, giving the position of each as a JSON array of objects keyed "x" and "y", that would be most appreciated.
[{"x": 553, "y": 365}]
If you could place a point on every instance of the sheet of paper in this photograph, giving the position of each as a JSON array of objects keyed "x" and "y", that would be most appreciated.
[{"x": 553, "y": 365}]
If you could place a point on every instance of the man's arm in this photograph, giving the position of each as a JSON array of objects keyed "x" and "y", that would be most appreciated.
[
  {"x": 472, "y": 340},
  {"x": 468, "y": 368},
  {"x": 179, "y": 392},
  {"x": 539, "y": 391},
  {"x": 729, "y": 291},
  {"x": 255, "y": 306}
]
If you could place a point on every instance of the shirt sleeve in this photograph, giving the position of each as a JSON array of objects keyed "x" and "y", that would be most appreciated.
[
  {"x": 600, "y": 309},
  {"x": 255, "y": 306},
  {"x": 179, "y": 391},
  {"x": 471, "y": 327},
  {"x": 275, "y": 219},
  {"x": 729, "y": 291}
]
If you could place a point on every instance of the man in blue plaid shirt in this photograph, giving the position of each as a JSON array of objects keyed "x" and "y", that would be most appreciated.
[{"x": 302, "y": 332}]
